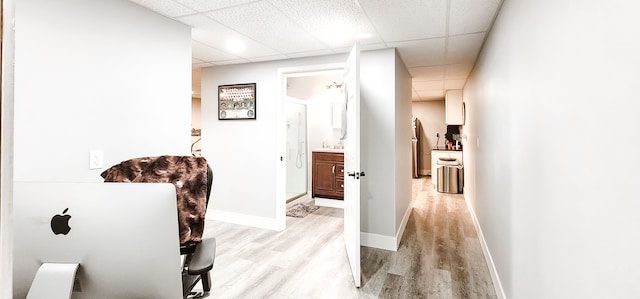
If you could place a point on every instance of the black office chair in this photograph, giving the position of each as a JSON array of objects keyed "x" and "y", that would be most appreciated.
[
  {"x": 199, "y": 258},
  {"x": 198, "y": 253}
]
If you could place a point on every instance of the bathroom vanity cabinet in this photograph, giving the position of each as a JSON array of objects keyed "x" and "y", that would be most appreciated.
[{"x": 328, "y": 174}]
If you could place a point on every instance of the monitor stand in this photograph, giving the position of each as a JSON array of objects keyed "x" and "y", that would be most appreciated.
[{"x": 53, "y": 280}]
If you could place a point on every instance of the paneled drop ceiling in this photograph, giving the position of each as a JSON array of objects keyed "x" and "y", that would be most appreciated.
[{"x": 438, "y": 40}]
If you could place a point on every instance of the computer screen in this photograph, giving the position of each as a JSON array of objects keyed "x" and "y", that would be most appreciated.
[{"x": 124, "y": 236}]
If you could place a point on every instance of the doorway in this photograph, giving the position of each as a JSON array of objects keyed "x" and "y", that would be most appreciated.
[
  {"x": 292, "y": 86},
  {"x": 308, "y": 112},
  {"x": 351, "y": 111}
]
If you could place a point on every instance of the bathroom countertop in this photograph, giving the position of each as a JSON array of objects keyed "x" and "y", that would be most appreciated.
[
  {"x": 329, "y": 150},
  {"x": 445, "y": 149}
]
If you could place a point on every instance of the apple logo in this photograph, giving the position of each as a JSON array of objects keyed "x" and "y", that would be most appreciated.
[{"x": 60, "y": 223}]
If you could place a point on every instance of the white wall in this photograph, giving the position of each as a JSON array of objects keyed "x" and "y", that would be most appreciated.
[
  {"x": 6, "y": 149},
  {"x": 403, "y": 135},
  {"x": 552, "y": 124},
  {"x": 97, "y": 75},
  {"x": 385, "y": 143},
  {"x": 432, "y": 119},
  {"x": 87, "y": 76}
]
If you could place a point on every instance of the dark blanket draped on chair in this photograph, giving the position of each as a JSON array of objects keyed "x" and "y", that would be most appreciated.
[{"x": 188, "y": 174}]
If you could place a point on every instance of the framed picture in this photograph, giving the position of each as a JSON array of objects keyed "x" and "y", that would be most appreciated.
[{"x": 237, "y": 101}]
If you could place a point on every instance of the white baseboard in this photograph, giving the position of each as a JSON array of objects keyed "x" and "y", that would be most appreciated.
[
  {"x": 378, "y": 241},
  {"x": 331, "y": 203},
  {"x": 403, "y": 225},
  {"x": 386, "y": 242},
  {"x": 497, "y": 285},
  {"x": 243, "y": 219}
]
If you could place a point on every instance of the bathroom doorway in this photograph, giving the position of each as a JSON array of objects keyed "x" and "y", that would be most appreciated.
[
  {"x": 296, "y": 148},
  {"x": 308, "y": 101}
]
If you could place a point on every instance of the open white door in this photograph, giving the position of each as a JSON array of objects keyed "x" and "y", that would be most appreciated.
[{"x": 352, "y": 163}]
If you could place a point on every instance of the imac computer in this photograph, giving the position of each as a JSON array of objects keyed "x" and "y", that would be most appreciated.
[{"x": 124, "y": 237}]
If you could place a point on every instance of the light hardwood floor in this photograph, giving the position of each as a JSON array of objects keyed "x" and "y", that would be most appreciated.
[{"x": 439, "y": 256}]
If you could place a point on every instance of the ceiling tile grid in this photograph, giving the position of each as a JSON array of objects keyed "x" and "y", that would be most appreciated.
[
  {"x": 264, "y": 23},
  {"x": 467, "y": 16},
  {"x": 407, "y": 19},
  {"x": 423, "y": 52},
  {"x": 168, "y": 8},
  {"x": 464, "y": 48},
  {"x": 206, "y": 53},
  {"x": 336, "y": 23},
  {"x": 209, "y": 5},
  {"x": 438, "y": 40}
]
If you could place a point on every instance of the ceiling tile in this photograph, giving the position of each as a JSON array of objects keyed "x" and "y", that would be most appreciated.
[
  {"x": 267, "y": 58},
  {"x": 454, "y": 84},
  {"x": 362, "y": 47},
  {"x": 425, "y": 99},
  {"x": 470, "y": 16},
  {"x": 430, "y": 93},
  {"x": 439, "y": 56},
  {"x": 464, "y": 48},
  {"x": 427, "y": 73},
  {"x": 457, "y": 71},
  {"x": 214, "y": 34},
  {"x": 202, "y": 64},
  {"x": 198, "y": 20},
  {"x": 206, "y": 53},
  {"x": 424, "y": 52},
  {"x": 367, "y": 47},
  {"x": 165, "y": 7},
  {"x": 310, "y": 53},
  {"x": 336, "y": 23},
  {"x": 209, "y": 5},
  {"x": 407, "y": 19},
  {"x": 264, "y": 23},
  {"x": 427, "y": 85},
  {"x": 233, "y": 61}
]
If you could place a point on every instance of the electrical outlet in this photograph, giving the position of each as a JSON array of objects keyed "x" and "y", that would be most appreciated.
[{"x": 96, "y": 159}]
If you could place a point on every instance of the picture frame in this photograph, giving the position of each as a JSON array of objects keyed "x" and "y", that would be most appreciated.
[{"x": 237, "y": 101}]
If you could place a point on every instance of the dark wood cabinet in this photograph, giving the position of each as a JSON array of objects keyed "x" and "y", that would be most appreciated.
[{"x": 328, "y": 175}]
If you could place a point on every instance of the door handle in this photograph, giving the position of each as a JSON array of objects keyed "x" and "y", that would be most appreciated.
[
  {"x": 333, "y": 169},
  {"x": 356, "y": 175}
]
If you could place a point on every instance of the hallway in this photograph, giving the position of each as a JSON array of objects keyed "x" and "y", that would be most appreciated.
[{"x": 439, "y": 256}]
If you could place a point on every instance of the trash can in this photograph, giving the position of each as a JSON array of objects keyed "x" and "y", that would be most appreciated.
[{"x": 450, "y": 178}]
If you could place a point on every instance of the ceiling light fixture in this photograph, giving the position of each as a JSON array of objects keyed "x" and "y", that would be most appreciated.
[
  {"x": 235, "y": 46},
  {"x": 363, "y": 35}
]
